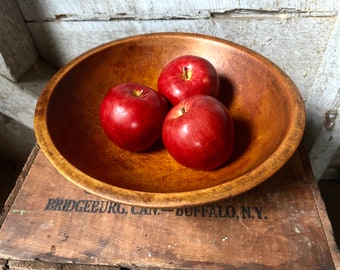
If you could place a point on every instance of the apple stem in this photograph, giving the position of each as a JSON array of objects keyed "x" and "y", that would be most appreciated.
[
  {"x": 186, "y": 75},
  {"x": 138, "y": 92},
  {"x": 182, "y": 109}
]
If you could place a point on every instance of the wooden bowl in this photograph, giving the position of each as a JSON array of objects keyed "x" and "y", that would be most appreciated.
[{"x": 266, "y": 106}]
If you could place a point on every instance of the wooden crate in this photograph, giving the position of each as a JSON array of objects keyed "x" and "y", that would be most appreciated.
[{"x": 49, "y": 223}]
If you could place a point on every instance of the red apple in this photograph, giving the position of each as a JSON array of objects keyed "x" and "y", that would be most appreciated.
[
  {"x": 186, "y": 76},
  {"x": 198, "y": 132},
  {"x": 132, "y": 114}
]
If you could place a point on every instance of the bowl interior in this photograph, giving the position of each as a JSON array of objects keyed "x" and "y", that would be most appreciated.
[{"x": 264, "y": 103}]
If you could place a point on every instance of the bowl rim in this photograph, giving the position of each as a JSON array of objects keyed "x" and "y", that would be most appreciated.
[{"x": 225, "y": 190}]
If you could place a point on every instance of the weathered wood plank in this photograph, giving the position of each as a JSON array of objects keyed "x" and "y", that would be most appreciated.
[
  {"x": 17, "y": 51},
  {"x": 18, "y": 184},
  {"x": 3, "y": 263},
  {"x": 276, "y": 225},
  {"x": 326, "y": 144},
  {"x": 94, "y": 267},
  {"x": 18, "y": 99},
  {"x": 45, "y": 10},
  {"x": 32, "y": 265},
  {"x": 327, "y": 226},
  {"x": 323, "y": 107},
  {"x": 16, "y": 142},
  {"x": 16, "y": 103},
  {"x": 289, "y": 42}
]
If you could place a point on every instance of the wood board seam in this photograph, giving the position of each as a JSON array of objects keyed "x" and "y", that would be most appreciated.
[
  {"x": 18, "y": 184},
  {"x": 321, "y": 209}
]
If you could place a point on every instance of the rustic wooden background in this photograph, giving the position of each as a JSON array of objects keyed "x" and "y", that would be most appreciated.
[{"x": 301, "y": 36}]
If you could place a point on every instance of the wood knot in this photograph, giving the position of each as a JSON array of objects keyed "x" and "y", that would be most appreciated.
[{"x": 330, "y": 117}]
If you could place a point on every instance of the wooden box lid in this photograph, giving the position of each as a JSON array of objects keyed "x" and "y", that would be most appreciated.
[{"x": 281, "y": 224}]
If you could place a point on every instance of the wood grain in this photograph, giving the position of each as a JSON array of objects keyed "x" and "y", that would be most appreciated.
[
  {"x": 281, "y": 229},
  {"x": 17, "y": 51},
  {"x": 18, "y": 99},
  {"x": 43, "y": 10},
  {"x": 3, "y": 263},
  {"x": 324, "y": 107}
]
